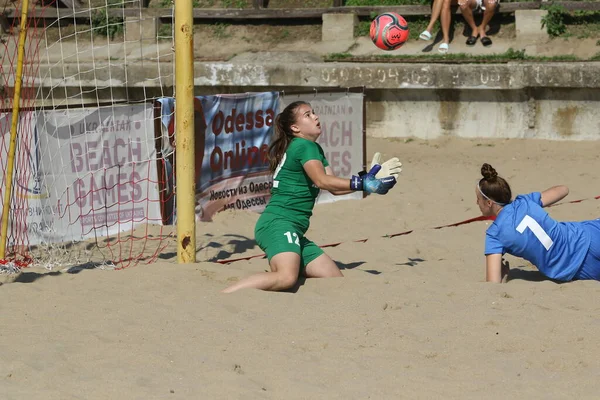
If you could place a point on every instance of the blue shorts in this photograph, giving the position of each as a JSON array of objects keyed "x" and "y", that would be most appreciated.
[{"x": 590, "y": 268}]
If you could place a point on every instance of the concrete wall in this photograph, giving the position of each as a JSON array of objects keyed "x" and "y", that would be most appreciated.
[
  {"x": 514, "y": 100},
  {"x": 536, "y": 113}
]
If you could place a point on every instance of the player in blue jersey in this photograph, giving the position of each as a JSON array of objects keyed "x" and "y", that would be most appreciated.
[
  {"x": 300, "y": 171},
  {"x": 562, "y": 251}
]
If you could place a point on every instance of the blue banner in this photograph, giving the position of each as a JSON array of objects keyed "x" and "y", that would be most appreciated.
[{"x": 232, "y": 139}]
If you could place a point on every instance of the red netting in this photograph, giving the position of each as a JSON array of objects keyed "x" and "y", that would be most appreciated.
[
  {"x": 112, "y": 210},
  {"x": 17, "y": 238}
]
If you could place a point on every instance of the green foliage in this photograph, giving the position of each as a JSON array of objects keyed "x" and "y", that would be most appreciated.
[
  {"x": 418, "y": 25},
  {"x": 595, "y": 57},
  {"x": 219, "y": 30},
  {"x": 284, "y": 34},
  {"x": 583, "y": 24},
  {"x": 513, "y": 54},
  {"x": 104, "y": 24},
  {"x": 554, "y": 20},
  {"x": 362, "y": 28},
  {"x": 234, "y": 3},
  {"x": 165, "y": 32},
  {"x": 338, "y": 56}
]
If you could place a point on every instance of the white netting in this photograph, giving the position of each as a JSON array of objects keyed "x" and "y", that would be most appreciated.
[{"x": 89, "y": 185}]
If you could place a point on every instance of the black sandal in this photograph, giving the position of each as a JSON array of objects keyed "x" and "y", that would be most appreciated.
[
  {"x": 486, "y": 41},
  {"x": 472, "y": 40}
]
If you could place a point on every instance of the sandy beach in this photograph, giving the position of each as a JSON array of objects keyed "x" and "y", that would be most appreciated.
[{"x": 412, "y": 319}]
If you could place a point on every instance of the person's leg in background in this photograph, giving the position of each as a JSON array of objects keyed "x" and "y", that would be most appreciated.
[
  {"x": 466, "y": 9},
  {"x": 488, "y": 13},
  {"x": 436, "y": 9},
  {"x": 446, "y": 19}
]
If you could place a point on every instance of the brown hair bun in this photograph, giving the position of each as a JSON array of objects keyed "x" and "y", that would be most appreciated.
[{"x": 488, "y": 172}]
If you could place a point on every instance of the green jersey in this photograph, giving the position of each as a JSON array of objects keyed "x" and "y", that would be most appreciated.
[{"x": 293, "y": 194}]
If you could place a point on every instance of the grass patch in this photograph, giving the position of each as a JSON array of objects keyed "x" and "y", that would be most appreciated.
[
  {"x": 234, "y": 3},
  {"x": 104, "y": 24},
  {"x": 509, "y": 55},
  {"x": 362, "y": 28},
  {"x": 561, "y": 23},
  {"x": 219, "y": 30}
]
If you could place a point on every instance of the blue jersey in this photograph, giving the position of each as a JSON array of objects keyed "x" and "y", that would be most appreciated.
[{"x": 525, "y": 230}]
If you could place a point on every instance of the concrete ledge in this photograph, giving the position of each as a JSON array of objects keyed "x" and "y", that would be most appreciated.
[
  {"x": 542, "y": 100},
  {"x": 529, "y": 25},
  {"x": 323, "y": 75},
  {"x": 409, "y": 76},
  {"x": 338, "y": 27}
]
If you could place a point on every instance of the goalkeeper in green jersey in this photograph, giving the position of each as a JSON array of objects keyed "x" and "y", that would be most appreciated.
[{"x": 300, "y": 171}]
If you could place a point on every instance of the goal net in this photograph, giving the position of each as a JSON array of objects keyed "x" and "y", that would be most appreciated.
[{"x": 90, "y": 181}]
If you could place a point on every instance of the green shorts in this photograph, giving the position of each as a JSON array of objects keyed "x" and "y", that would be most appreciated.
[{"x": 275, "y": 235}]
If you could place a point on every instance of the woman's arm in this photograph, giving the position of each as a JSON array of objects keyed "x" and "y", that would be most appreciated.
[
  {"x": 493, "y": 268},
  {"x": 329, "y": 171},
  {"x": 554, "y": 194},
  {"x": 326, "y": 181}
]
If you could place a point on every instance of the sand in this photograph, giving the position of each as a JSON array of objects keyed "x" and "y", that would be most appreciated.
[{"x": 412, "y": 319}]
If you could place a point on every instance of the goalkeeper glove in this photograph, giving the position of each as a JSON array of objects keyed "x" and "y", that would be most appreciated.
[
  {"x": 369, "y": 183},
  {"x": 391, "y": 167}
]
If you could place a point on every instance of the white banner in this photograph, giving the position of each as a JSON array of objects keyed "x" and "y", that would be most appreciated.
[
  {"x": 341, "y": 117},
  {"x": 26, "y": 185},
  {"x": 93, "y": 173}
]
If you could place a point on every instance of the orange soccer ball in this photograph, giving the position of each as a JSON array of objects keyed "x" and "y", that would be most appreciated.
[{"x": 389, "y": 31}]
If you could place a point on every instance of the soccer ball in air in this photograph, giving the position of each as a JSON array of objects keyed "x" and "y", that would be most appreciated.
[{"x": 389, "y": 31}]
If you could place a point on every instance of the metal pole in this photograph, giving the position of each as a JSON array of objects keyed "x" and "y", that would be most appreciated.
[
  {"x": 184, "y": 132},
  {"x": 13, "y": 128}
]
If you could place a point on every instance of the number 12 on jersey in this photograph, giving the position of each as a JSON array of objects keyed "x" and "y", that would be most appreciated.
[
  {"x": 294, "y": 240},
  {"x": 537, "y": 230}
]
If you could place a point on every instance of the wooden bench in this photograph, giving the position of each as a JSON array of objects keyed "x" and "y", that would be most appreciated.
[{"x": 261, "y": 13}]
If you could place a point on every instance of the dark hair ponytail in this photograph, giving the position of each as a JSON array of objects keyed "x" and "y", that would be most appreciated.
[
  {"x": 493, "y": 186},
  {"x": 282, "y": 133}
]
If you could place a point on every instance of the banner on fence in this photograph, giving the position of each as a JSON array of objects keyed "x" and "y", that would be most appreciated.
[
  {"x": 234, "y": 170},
  {"x": 24, "y": 185},
  {"x": 232, "y": 142},
  {"x": 93, "y": 173},
  {"x": 233, "y": 134},
  {"x": 341, "y": 117}
]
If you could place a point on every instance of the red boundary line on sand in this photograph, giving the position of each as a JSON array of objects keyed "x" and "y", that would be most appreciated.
[{"x": 466, "y": 221}]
